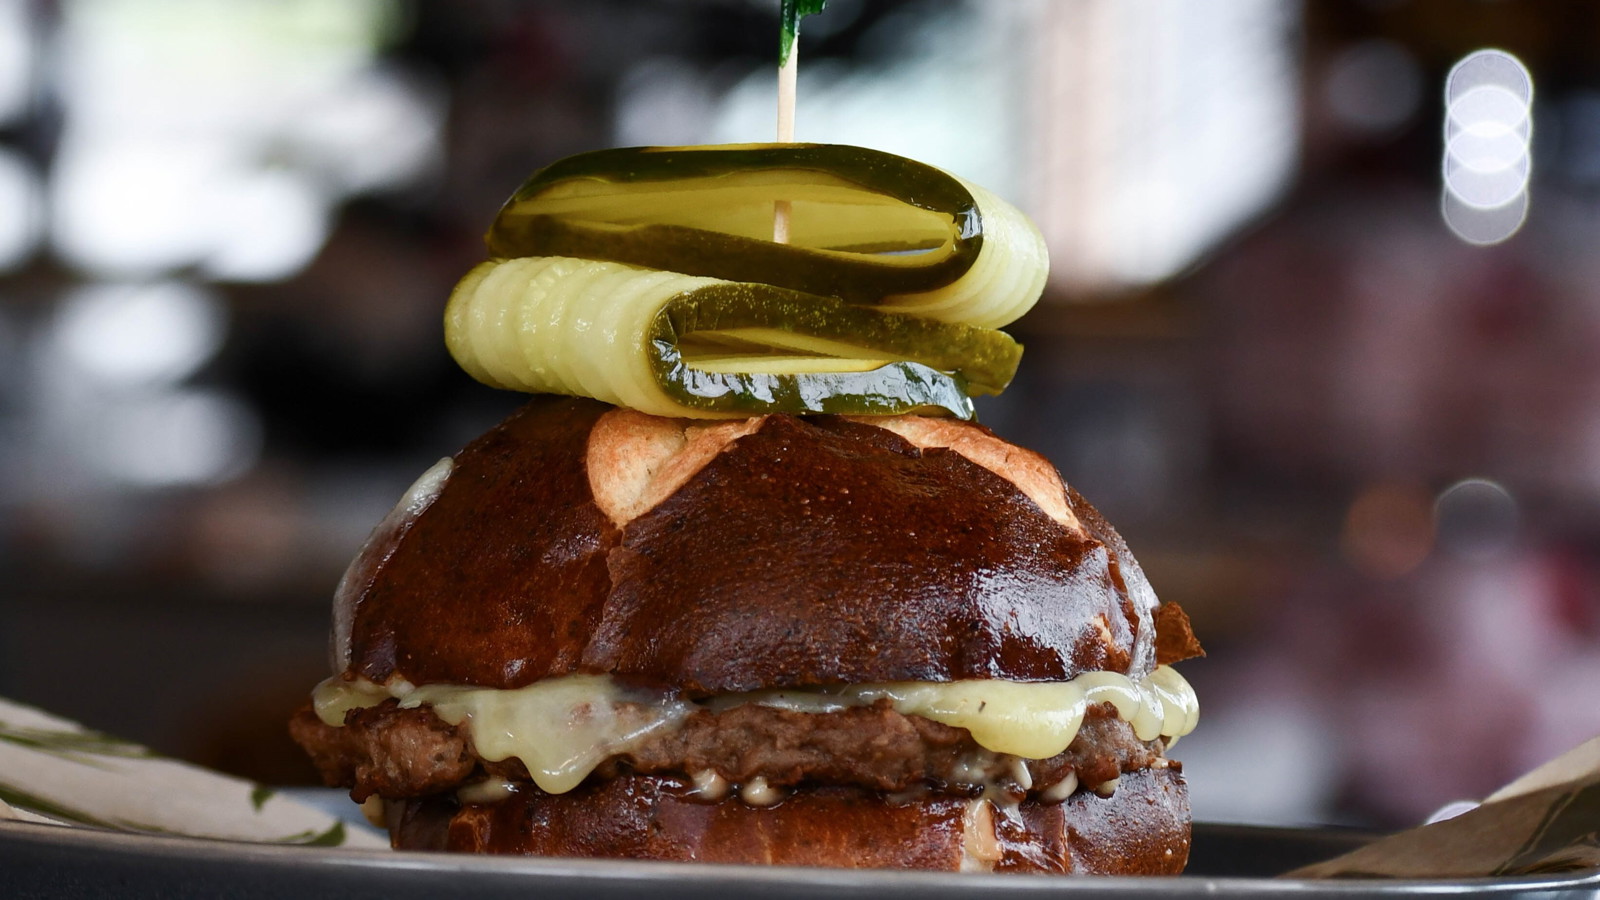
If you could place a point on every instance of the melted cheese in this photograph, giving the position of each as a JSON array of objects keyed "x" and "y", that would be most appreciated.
[
  {"x": 490, "y": 790},
  {"x": 561, "y": 728},
  {"x": 1034, "y": 720},
  {"x": 1061, "y": 790},
  {"x": 980, "y": 845}
]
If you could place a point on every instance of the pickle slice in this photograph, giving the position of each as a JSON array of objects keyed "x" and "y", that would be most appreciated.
[
  {"x": 681, "y": 345},
  {"x": 868, "y": 227}
]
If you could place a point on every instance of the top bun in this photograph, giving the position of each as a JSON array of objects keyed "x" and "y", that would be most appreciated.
[{"x": 720, "y": 557}]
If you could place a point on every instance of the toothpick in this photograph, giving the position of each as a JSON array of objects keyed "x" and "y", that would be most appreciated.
[
  {"x": 786, "y": 92},
  {"x": 790, "y": 12}
]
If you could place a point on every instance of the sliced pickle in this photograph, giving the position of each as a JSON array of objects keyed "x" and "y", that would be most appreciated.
[
  {"x": 865, "y": 226},
  {"x": 784, "y": 365},
  {"x": 683, "y": 345}
]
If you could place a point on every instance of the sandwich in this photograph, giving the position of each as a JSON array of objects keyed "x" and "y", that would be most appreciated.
[{"x": 807, "y": 631}]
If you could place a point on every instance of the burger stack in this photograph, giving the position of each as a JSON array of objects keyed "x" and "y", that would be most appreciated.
[{"x": 807, "y": 614}]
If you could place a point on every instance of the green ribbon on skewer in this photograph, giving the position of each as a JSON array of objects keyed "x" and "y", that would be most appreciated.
[{"x": 792, "y": 11}]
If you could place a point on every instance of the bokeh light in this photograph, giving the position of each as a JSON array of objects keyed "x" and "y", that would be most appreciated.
[
  {"x": 1388, "y": 530},
  {"x": 17, "y": 58},
  {"x": 21, "y": 210},
  {"x": 1488, "y": 160},
  {"x": 222, "y": 138},
  {"x": 1477, "y": 518},
  {"x": 191, "y": 436},
  {"x": 139, "y": 334}
]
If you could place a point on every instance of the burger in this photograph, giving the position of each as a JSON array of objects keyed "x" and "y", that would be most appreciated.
[
  {"x": 820, "y": 640},
  {"x": 741, "y": 583}
]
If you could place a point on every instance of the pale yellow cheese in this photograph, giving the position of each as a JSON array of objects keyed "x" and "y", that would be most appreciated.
[
  {"x": 561, "y": 728},
  {"x": 1034, "y": 720}
]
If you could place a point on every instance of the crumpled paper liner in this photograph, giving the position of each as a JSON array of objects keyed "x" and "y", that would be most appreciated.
[
  {"x": 1545, "y": 822},
  {"x": 57, "y": 772},
  {"x": 22, "y": 815}
]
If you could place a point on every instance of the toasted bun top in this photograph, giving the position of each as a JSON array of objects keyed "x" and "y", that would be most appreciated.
[{"x": 735, "y": 556}]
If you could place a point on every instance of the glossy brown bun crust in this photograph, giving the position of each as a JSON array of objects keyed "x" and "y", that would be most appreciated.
[
  {"x": 818, "y": 550},
  {"x": 1141, "y": 829}
]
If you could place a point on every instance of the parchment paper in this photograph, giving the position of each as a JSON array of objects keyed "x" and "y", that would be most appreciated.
[{"x": 1547, "y": 821}]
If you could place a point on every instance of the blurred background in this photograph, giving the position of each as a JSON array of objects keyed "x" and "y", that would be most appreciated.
[{"x": 1322, "y": 336}]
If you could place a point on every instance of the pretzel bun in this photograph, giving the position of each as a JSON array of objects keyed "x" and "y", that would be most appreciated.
[{"x": 774, "y": 551}]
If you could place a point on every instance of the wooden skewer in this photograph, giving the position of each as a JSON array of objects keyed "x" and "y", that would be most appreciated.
[{"x": 786, "y": 92}]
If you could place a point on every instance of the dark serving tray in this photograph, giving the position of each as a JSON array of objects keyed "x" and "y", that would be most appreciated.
[{"x": 55, "y": 862}]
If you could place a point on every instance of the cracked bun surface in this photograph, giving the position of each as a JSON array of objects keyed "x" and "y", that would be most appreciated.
[{"x": 775, "y": 551}]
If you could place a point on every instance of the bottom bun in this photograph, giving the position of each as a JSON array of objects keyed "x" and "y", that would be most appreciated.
[{"x": 1141, "y": 829}]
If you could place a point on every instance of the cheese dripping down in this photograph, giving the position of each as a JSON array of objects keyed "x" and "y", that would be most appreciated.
[{"x": 562, "y": 728}]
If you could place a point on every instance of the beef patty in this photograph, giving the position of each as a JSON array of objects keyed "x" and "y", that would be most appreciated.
[{"x": 399, "y": 753}]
